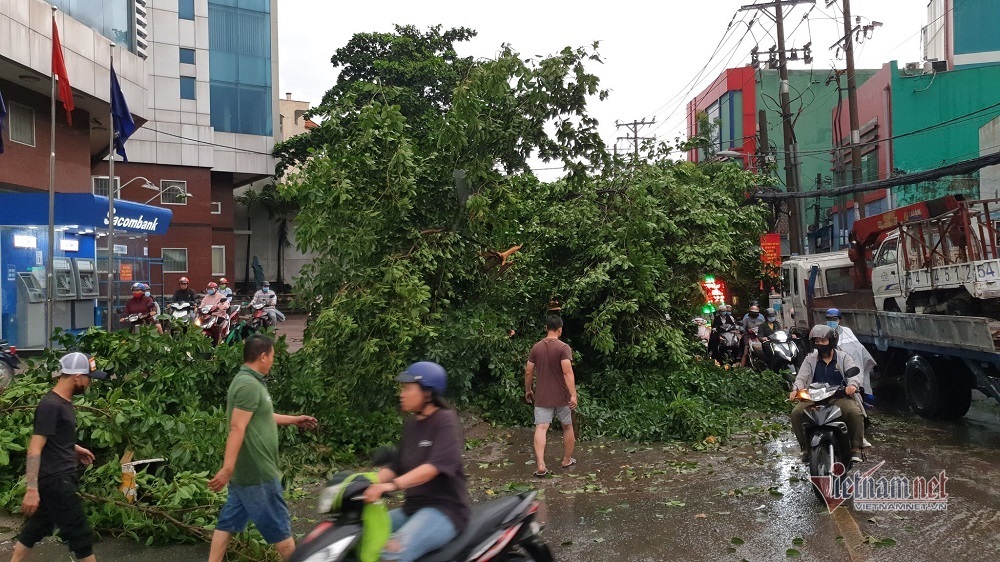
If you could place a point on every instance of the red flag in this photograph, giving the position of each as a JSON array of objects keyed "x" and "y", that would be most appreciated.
[{"x": 59, "y": 69}]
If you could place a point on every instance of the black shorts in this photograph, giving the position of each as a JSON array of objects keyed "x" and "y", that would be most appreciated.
[{"x": 59, "y": 507}]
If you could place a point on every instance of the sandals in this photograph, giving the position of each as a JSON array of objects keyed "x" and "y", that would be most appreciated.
[
  {"x": 572, "y": 461},
  {"x": 541, "y": 474}
]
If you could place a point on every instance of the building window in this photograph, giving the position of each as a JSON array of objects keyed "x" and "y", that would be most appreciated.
[
  {"x": 114, "y": 19},
  {"x": 187, "y": 56},
  {"x": 22, "y": 124},
  {"x": 216, "y": 207},
  {"x": 99, "y": 185},
  {"x": 173, "y": 192},
  {"x": 185, "y": 9},
  {"x": 240, "y": 67},
  {"x": 218, "y": 260},
  {"x": 187, "y": 87},
  {"x": 175, "y": 260}
]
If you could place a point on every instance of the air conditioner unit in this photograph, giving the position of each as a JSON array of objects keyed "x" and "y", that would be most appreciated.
[
  {"x": 928, "y": 67},
  {"x": 912, "y": 67}
]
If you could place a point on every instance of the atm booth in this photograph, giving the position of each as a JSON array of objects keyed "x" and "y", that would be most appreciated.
[{"x": 81, "y": 221}]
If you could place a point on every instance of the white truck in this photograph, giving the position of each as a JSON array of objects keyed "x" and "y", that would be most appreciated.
[{"x": 940, "y": 357}]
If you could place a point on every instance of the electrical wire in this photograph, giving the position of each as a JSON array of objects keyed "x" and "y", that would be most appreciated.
[{"x": 152, "y": 130}]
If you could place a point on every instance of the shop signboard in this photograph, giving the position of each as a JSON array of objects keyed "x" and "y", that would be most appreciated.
[{"x": 125, "y": 272}]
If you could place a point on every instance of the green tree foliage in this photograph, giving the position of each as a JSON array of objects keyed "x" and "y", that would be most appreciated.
[
  {"x": 435, "y": 240},
  {"x": 167, "y": 399}
]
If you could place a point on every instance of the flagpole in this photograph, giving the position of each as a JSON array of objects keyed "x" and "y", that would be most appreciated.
[
  {"x": 49, "y": 274},
  {"x": 111, "y": 201}
]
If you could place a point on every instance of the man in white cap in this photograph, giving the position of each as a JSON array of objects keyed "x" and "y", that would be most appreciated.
[{"x": 51, "y": 499}]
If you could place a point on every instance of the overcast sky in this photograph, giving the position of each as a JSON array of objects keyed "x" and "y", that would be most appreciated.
[{"x": 651, "y": 50}]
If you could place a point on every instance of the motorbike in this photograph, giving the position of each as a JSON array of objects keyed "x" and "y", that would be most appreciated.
[
  {"x": 502, "y": 529},
  {"x": 9, "y": 363},
  {"x": 729, "y": 350},
  {"x": 135, "y": 320},
  {"x": 259, "y": 319},
  {"x": 215, "y": 327},
  {"x": 826, "y": 431},
  {"x": 778, "y": 352}
]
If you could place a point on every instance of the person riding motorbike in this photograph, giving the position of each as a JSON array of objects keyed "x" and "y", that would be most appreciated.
[
  {"x": 212, "y": 298},
  {"x": 767, "y": 329},
  {"x": 848, "y": 342},
  {"x": 149, "y": 294},
  {"x": 270, "y": 300},
  {"x": 142, "y": 303},
  {"x": 224, "y": 287},
  {"x": 428, "y": 468},
  {"x": 836, "y": 368},
  {"x": 723, "y": 322},
  {"x": 185, "y": 293},
  {"x": 751, "y": 320}
]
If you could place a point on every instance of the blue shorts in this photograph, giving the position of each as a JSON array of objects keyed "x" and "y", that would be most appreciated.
[{"x": 264, "y": 504}]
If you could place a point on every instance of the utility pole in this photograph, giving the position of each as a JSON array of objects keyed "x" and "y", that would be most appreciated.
[
  {"x": 852, "y": 104},
  {"x": 791, "y": 147},
  {"x": 764, "y": 148},
  {"x": 635, "y": 138}
]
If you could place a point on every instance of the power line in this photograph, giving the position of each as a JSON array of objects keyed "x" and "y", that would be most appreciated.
[{"x": 150, "y": 129}]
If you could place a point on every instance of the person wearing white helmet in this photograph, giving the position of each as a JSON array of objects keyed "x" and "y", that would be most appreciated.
[{"x": 50, "y": 499}]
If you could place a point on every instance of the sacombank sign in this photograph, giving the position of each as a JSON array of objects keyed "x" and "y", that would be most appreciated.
[{"x": 133, "y": 223}]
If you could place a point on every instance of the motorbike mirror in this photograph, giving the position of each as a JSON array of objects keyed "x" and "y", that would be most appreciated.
[{"x": 384, "y": 455}]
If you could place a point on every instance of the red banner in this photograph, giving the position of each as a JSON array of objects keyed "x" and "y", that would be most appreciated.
[{"x": 771, "y": 245}]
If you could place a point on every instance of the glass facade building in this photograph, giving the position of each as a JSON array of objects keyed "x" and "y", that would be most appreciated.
[
  {"x": 240, "y": 66},
  {"x": 114, "y": 19}
]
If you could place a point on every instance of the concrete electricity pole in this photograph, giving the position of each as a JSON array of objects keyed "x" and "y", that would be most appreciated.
[
  {"x": 852, "y": 104},
  {"x": 635, "y": 138},
  {"x": 791, "y": 147}
]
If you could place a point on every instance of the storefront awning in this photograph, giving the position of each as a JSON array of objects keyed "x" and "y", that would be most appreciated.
[{"x": 84, "y": 210}]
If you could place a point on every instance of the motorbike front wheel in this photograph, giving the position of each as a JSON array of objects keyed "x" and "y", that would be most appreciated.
[{"x": 821, "y": 463}]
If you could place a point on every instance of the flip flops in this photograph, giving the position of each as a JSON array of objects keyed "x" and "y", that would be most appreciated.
[
  {"x": 541, "y": 474},
  {"x": 572, "y": 461}
]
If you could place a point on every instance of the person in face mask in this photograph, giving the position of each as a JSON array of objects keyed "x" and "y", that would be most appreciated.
[
  {"x": 752, "y": 319},
  {"x": 833, "y": 367},
  {"x": 214, "y": 298},
  {"x": 849, "y": 343},
  {"x": 724, "y": 321},
  {"x": 270, "y": 300}
]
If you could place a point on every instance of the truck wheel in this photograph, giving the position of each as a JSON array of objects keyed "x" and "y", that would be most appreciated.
[
  {"x": 923, "y": 392},
  {"x": 957, "y": 392}
]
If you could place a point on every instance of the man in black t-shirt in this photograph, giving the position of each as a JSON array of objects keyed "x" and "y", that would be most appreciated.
[
  {"x": 51, "y": 499},
  {"x": 185, "y": 293}
]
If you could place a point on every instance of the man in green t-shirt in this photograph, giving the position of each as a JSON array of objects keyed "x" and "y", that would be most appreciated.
[{"x": 250, "y": 466}]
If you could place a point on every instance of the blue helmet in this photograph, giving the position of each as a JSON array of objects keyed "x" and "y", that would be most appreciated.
[
  {"x": 427, "y": 374},
  {"x": 833, "y": 313}
]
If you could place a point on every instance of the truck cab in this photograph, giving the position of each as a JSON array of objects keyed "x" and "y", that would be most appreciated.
[
  {"x": 887, "y": 280},
  {"x": 833, "y": 277}
]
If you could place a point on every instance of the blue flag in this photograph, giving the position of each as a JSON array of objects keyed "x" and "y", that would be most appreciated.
[
  {"x": 122, "y": 117},
  {"x": 3, "y": 117}
]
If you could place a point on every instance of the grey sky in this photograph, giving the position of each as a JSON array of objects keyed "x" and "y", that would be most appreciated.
[{"x": 651, "y": 49}]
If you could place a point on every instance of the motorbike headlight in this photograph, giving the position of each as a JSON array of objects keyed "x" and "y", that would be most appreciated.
[
  {"x": 197, "y": 322},
  {"x": 334, "y": 551},
  {"x": 803, "y": 394}
]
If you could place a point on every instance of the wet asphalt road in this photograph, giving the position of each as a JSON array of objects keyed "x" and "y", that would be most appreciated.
[{"x": 747, "y": 499}]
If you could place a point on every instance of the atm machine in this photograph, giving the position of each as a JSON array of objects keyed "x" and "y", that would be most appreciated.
[
  {"x": 66, "y": 293},
  {"x": 30, "y": 311},
  {"x": 85, "y": 276}
]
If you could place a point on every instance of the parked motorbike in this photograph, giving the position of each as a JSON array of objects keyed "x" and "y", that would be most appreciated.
[
  {"x": 502, "y": 529},
  {"x": 777, "y": 352},
  {"x": 826, "y": 431},
  {"x": 215, "y": 327},
  {"x": 9, "y": 363}
]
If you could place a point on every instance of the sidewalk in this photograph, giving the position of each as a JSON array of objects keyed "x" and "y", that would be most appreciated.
[{"x": 292, "y": 328}]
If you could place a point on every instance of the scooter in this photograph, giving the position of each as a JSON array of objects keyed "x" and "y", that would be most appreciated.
[
  {"x": 213, "y": 326},
  {"x": 504, "y": 529},
  {"x": 9, "y": 363},
  {"x": 777, "y": 352},
  {"x": 729, "y": 350},
  {"x": 259, "y": 319},
  {"x": 135, "y": 320},
  {"x": 826, "y": 431}
]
